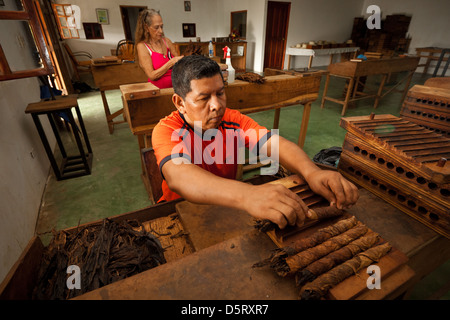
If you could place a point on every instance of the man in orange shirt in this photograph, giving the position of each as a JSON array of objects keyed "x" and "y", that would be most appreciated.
[{"x": 197, "y": 149}]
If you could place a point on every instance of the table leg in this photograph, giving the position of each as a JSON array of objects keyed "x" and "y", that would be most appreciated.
[
  {"x": 289, "y": 62},
  {"x": 310, "y": 62},
  {"x": 78, "y": 141},
  {"x": 347, "y": 96},
  {"x": 405, "y": 90},
  {"x": 83, "y": 129},
  {"x": 57, "y": 136},
  {"x": 276, "y": 118},
  {"x": 324, "y": 93},
  {"x": 380, "y": 90},
  {"x": 107, "y": 112},
  {"x": 304, "y": 124},
  {"x": 47, "y": 147}
]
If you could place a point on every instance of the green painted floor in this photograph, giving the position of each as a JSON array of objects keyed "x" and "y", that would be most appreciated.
[{"x": 115, "y": 185}]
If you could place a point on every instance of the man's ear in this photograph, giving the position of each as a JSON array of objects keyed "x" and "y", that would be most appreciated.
[{"x": 179, "y": 103}]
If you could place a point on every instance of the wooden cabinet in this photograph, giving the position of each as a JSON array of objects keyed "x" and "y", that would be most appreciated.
[{"x": 238, "y": 52}]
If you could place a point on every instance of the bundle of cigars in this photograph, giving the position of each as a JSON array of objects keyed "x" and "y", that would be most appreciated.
[{"x": 328, "y": 256}]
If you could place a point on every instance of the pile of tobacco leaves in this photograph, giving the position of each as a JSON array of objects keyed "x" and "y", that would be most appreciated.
[{"x": 104, "y": 253}]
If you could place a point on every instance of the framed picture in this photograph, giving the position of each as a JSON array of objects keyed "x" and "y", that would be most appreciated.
[
  {"x": 187, "y": 6},
  {"x": 102, "y": 16},
  {"x": 188, "y": 30}
]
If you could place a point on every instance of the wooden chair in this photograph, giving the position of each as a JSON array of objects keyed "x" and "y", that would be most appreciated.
[
  {"x": 125, "y": 50},
  {"x": 79, "y": 66},
  {"x": 153, "y": 174}
]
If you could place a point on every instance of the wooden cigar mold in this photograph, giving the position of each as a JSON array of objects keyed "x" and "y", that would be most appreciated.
[
  {"x": 429, "y": 107},
  {"x": 403, "y": 163}
]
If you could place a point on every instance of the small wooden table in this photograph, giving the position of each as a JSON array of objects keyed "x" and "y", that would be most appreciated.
[
  {"x": 354, "y": 70},
  {"x": 311, "y": 53},
  {"x": 110, "y": 76},
  {"x": 71, "y": 166}
]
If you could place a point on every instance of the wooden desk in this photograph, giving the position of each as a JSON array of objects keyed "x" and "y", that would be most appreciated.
[
  {"x": 145, "y": 104},
  {"x": 109, "y": 76},
  {"x": 311, "y": 53},
  {"x": 353, "y": 71}
]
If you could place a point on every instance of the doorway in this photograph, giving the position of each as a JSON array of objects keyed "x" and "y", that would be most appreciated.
[
  {"x": 276, "y": 34},
  {"x": 130, "y": 15}
]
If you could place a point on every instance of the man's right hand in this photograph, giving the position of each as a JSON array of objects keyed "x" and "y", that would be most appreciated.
[{"x": 276, "y": 203}]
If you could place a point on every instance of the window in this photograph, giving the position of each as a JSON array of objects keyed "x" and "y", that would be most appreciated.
[
  {"x": 66, "y": 21},
  {"x": 23, "y": 51},
  {"x": 93, "y": 30}
]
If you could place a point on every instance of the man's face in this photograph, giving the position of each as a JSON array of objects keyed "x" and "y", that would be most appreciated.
[{"x": 206, "y": 102}]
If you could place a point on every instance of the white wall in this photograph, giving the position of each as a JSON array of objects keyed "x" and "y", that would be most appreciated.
[
  {"x": 313, "y": 20},
  {"x": 22, "y": 176},
  {"x": 429, "y": 26}
]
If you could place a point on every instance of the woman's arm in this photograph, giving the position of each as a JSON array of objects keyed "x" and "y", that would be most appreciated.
[{"x": 146, "y": 63}]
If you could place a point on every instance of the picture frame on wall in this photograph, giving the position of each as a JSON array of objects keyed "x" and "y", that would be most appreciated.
[
  {"x": 102, "y": 16},
  {"x": 187, "y": 6}
]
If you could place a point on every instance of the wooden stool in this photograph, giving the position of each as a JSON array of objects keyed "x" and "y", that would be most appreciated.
[{"x": 71, "y": 166}]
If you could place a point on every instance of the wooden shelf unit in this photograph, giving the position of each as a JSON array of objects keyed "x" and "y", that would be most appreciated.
[{"x": 238, "y": 61}]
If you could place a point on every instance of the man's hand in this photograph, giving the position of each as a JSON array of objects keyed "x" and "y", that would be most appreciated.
[
  {"x": 276, "y": 203},
  {"x": 333, "y": 187}
]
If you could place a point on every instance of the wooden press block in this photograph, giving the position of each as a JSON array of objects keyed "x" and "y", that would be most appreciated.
[{"x": 356, "y": 286}]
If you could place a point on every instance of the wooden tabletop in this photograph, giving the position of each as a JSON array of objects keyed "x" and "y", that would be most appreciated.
[{"x": 61, "y": 102}]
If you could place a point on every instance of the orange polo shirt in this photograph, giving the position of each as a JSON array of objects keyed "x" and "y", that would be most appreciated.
[{"x": 218, "y": 151}]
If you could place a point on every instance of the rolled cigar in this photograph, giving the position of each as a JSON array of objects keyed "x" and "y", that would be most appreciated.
[
  {"x": 324, "y": 213},
  {"x": 314, "y": 214}
]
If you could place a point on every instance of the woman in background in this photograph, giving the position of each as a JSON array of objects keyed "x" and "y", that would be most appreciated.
[{"x": 155, "y": 53}]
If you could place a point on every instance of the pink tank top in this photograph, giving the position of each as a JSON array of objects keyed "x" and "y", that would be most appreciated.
[{"x": 159, "y": 60}]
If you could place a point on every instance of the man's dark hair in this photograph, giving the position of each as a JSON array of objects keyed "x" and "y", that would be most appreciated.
[{"x": 190, "y": 68}]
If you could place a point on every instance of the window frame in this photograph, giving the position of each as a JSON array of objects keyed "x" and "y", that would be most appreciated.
[{"x": 29, "y": 14}]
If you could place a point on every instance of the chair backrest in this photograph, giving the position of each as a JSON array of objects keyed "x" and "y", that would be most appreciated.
[
  {"x": 70, "y": 53},
  {"x": 153, "y": 174},
  {"x": 125, "y": 50}
]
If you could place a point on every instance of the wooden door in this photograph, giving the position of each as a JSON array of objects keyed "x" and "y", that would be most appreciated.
[{"x": 276, "y": 34}]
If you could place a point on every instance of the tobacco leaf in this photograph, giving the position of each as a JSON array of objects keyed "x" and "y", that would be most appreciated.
[
  {"x": 251, "y": 77},
  {"x": 104, "y": 253}
]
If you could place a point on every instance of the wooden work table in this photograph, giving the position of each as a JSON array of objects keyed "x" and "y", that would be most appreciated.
[
  {"x": 354, "y": 71},
  {"x": 145, "y": 104},
  {"x": 109, "y": 76},
  {"x": 226, "y": 245}
]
